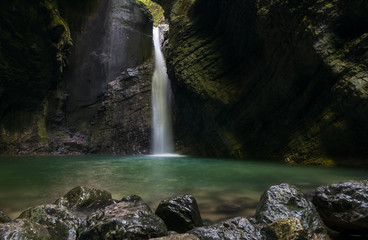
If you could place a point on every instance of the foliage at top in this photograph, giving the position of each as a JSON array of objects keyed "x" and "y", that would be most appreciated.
[{"x": 156, "y": 11}]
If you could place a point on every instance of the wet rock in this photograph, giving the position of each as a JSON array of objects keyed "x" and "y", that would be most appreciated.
[
  {"x": 4, "y": 218},
  {"x": 180, "y": 213},
  {"x": 344, "y": 206},
  {"x": 236, "y": 228},
  {"x": 289, "y": 229},
  {"x": 185, "y": 236},
  {"x": 100, "y": 204},
  {"x": 23, "y": 229},
  {"x": 129, "y": 219},
  {"x": 284, "y": 201},
  {"x": 80, "y": 197},
  {"x": 59, "y": 220}
]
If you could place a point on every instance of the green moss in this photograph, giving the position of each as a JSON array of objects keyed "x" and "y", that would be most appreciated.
[
  {"x": 322, "y": 161},
  {"x": 156, "y": 11}
]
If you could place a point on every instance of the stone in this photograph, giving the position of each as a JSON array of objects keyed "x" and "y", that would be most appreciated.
[
  {"x": 4, "y": 218},
  {"x": 23, "y": 229},
  {"x": 59, "y": 220},
  {"x": 180, "y": 213},
  {"x": 284, "y": 201},
  {"x": 344, "y": 206},
  {"x": 235, "y": 228},
  {"x": 185, "y": 236},
  {"x": 80, "y": 197},
  {"x": 289, "y": 229},
  {"x": 124, "y": 220}
]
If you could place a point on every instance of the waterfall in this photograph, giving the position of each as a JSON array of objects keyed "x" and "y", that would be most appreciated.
[{"x": 162, "y": 126}]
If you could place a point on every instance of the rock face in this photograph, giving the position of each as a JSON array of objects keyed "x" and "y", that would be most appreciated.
[
  {"x": 23, "y": 229},
  {"x": 285, "y": 201},
  {"x": 344, "y": 206},
  {"x": 92, "y": 106},
  {"x": 80, "y": 197},
  {"x": 236, "y": 228},
  {"x": 59, "y": 221},
  {"x": 180, "y": 214},
  {"x": 131, "y": 219},
  {"x": 270, "y": 79},
  {"x": 4, "y": 218},
  {"x": 289, "y": 229}
]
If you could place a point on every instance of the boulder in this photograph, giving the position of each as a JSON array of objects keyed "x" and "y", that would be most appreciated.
[
  {"x": 235, "y": 228},
  {"x": 344, "y": 206},
  {"x": 23, "y": 229},
  {"x": 180, "y": 213},
  {"x": 4, "y": 218},
  {"x": 59, "y": 220},
  {"x": 185, "y": 236},
  {"x": 128, "y": 219},
  {"x": 289, "y": 229},
  {"x": 80, "y": 197},
  {"x": 284, "y": 201}
]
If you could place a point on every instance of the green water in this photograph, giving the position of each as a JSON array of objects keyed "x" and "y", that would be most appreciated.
[{"x": 223, "y": 188}]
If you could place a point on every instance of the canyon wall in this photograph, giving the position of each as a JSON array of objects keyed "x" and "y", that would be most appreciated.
[{"x": 269, "y": 79}]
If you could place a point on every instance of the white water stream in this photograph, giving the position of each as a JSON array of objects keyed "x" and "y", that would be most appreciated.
[{"x": 162, "y": 125}]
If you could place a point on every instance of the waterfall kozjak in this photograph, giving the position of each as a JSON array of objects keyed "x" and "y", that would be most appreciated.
[{"x": 162, "y": 126}]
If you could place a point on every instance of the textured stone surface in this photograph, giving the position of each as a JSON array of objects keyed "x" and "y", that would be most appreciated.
[
  {"x": 285, "y": 80},
  {"x": 236, "y": 228},
  {"x": 80, "y": 197},
  {"x": 59, "y": 220},
  {"x": 23, "y": 229},
  {"x": 4, "y": 218},
  {"x": 180, "y": 213},
  {"x": 129, "y": 219},
  {"x": 344, "y": 206},
  {"x": 185, "y": 236},
  {"x": 285, "y": 201},
  {"x": 289, "y": 229}
]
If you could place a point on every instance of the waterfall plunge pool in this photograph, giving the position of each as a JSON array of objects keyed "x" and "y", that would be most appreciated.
[{"x": 223, "y": 187}]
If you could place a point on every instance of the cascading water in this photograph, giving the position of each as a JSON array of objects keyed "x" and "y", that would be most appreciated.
[{"x": 162, "y": 126}]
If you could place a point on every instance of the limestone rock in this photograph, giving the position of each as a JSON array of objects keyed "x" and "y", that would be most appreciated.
[
  {"x": 344, "y": 206},
  {"x": 236, "y": 228},
  {"x": 80, "y": 197},
  {"x": 289, "y": 229},
  {"x": 285, "y": 201},
  {"x": 180, "y": 213},
  {"x": 59, "y": 220},
  {"x": 124, "y": 220},
  {"x": 4, "y": 218},
  {"x": 185, "y": 236},
  {"x": 23, "y": 229}
]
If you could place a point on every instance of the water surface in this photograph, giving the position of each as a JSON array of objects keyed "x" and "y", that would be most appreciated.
[{"x": 223, "y": 188}]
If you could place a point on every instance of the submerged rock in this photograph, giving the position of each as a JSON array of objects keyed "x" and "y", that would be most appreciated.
[
  {"x": 129, "y": 219},
  {"x": 58, "y": 219},
  {"x": 289, "y": 229},
  {"x": 4, "y": 218},
  {"x": 236, "y": 228},
  {"x": 23, "y": 229},
  {"x": 180, "y": 213},
  {"x": 285, "y": 201},
  {"x": 81, "y": 196},
  {"x": 344, "y": 206}
]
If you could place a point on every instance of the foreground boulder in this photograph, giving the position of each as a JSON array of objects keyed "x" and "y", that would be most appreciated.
[
  {"x": 185, "y": 236},
  {"x": 4, "y": 218},
  {"x": 284, "y": 201},
  {"x": 80, "y": 197},
  {"x": 180, "y": 214},
  {"x": 59, "y": 220},
  {"x": 236, "y": 228},
  {"x": 344, "y": 206},
  {"x": 129, "y": 219},
  {"x": 23, "y": 229},
  {"x": 289, "y": 229}
]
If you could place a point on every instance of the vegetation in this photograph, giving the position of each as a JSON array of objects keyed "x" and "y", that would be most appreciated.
[{"x": 156, "y": 11}]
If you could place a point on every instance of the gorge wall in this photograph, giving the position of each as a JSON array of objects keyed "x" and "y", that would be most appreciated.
[
  {"x": 270, "y": 79},
  {"x": 92, "y": 97}
]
